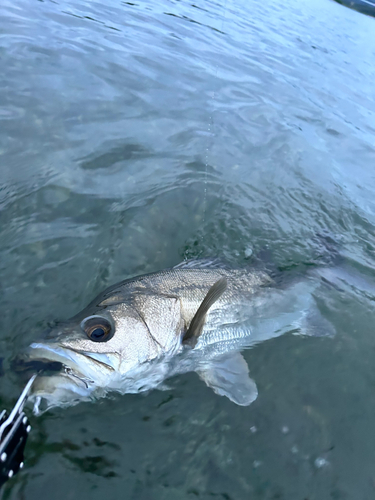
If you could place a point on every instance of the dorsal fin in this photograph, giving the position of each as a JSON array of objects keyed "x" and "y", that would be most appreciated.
[
  {"x": 196, "y": 325},
  {"x": 203, "y": 263}
]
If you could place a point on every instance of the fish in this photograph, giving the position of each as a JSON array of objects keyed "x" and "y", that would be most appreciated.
[{"x": 195, "y": 317}]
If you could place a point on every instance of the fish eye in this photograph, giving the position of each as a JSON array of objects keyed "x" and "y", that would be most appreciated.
[{"x": 97, "y": 328}]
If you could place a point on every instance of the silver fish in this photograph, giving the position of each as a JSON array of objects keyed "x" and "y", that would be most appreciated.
[{"x": 194, "y": 317}]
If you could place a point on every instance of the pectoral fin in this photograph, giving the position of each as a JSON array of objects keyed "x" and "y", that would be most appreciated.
[
  {"x": 197, "y": 323},
  {"x": 229, "y": 376}
]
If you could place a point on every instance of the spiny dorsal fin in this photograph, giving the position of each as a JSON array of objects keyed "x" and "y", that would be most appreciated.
[
  {"x": 203, "y": 263},
  {"x": 196, "y": 325}
]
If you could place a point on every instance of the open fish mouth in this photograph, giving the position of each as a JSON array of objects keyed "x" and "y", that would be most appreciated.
[
  {"x": 78, "y": 362},
  {"x": 23, "y": 365},
  {"x": 65, "y": 374}
]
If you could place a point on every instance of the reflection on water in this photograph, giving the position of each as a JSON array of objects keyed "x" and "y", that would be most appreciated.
[{"x": 135, "y": 134}]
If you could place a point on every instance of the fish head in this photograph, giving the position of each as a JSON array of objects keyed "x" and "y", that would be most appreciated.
[{"x": 103, "y": 348}]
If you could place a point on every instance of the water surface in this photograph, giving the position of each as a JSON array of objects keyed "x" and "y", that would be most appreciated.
[{"x": 134, "y": 135}]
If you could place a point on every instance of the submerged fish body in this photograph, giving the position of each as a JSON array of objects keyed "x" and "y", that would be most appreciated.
[{"x": 139, "y": 332}]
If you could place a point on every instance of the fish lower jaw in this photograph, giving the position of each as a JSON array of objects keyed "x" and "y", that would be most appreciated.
[{"x": 62, "y": 390}]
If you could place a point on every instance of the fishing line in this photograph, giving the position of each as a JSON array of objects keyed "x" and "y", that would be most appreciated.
[{"x": 210, "y": 130}]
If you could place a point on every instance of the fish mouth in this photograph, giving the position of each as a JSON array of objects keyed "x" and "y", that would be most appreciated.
[
  {"x": 81, "y": 365},
  {"x": 66, "y": 375}
]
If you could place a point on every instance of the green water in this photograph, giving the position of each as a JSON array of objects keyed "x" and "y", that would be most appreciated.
[{"x": 133, "y": 135}]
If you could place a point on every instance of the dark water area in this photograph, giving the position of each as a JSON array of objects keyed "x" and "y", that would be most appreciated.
[
  {"x": 134, "y": 135},
  {"x": 365, "y": 6}
]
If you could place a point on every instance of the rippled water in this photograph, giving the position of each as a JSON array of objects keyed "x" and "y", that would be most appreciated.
[{"x": 134, "y": 135}]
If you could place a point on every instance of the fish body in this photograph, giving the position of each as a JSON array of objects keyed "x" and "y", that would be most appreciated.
[{"x": 138, "y": 332}]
